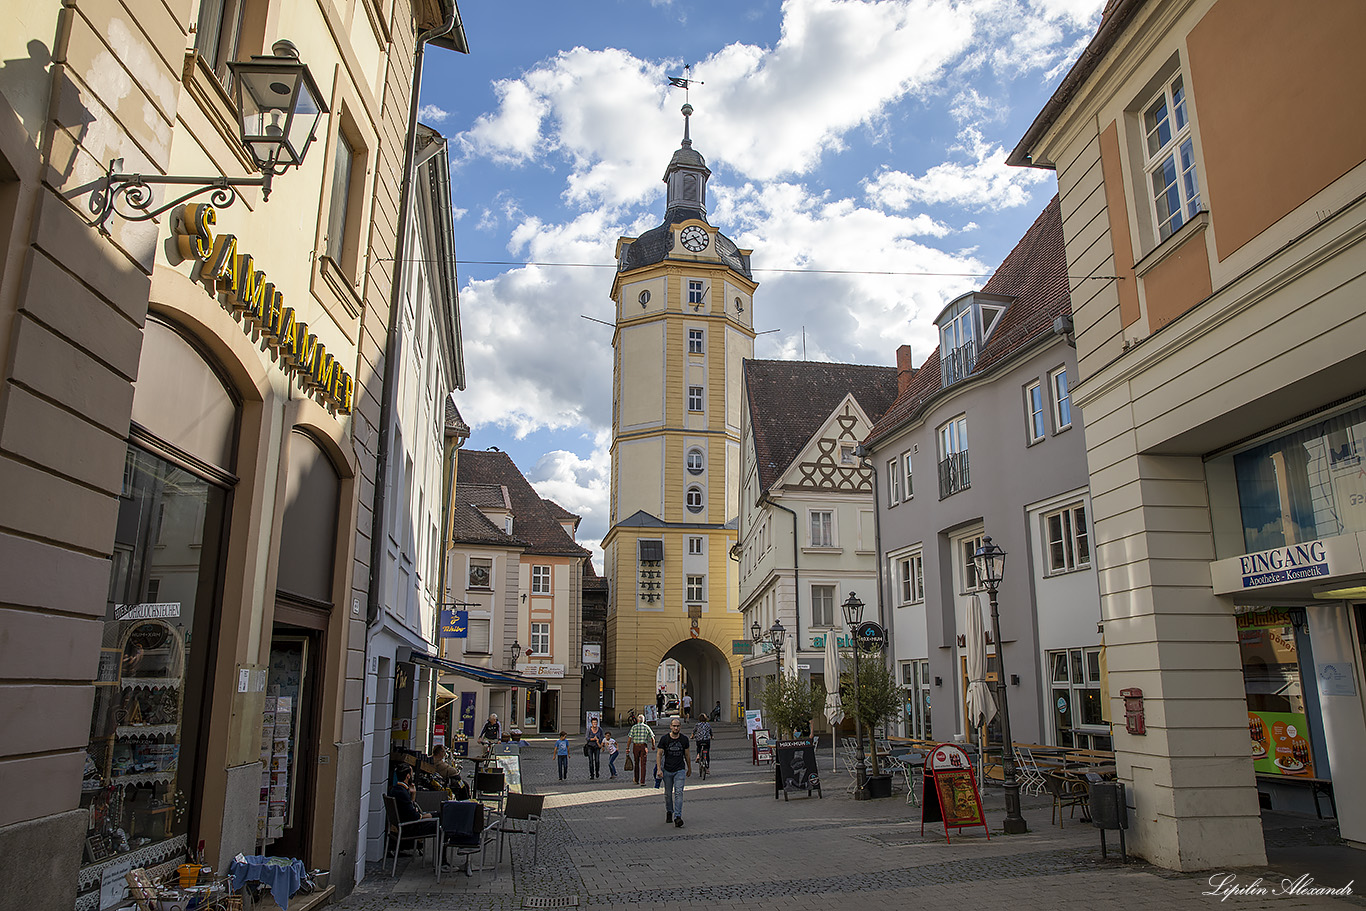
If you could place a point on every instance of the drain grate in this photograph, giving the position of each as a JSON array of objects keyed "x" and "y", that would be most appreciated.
[{"x": 550, "y": 901}]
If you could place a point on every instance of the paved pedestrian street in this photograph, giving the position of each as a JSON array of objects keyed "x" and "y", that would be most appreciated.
[{"x": 606, "y": 843}]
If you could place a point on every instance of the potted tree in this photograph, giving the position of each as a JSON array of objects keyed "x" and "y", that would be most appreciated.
[
  {"x": 789, "y": 704},
  {"x": 874, "y": 697}
]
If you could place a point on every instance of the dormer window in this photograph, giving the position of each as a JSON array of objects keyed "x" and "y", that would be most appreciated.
[{"x": 964, "y": 326}]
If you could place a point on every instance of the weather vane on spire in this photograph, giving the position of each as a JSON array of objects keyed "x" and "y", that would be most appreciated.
[{"x": 685, "y": 81}]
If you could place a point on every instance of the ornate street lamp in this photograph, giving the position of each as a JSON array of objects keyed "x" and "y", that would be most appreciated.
[
  {"x": 514, "y": 650},
  {"x": 278, "y": 106},
  {"x": 755, "y": 631},
  {"x": 853, "y": 616},
  {"x": 776, "y": 635},
  {"x": 991, "y": 566}
]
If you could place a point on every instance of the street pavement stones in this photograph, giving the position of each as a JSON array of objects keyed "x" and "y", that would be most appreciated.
[{"x": 605, "y": 843}]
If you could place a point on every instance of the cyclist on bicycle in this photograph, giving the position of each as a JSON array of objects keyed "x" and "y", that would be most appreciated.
[{"x": 701, "y": 735}]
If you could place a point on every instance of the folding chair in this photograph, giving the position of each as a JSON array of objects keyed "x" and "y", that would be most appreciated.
[
  {"x": 397, "y": 828},
  {"x": 470, "y": 828},
  {"x": 1031, "y": 779},
  {"x": 522, "y": 816}
]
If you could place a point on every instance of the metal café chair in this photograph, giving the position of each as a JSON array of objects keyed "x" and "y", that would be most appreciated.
[
  {"x": 469, "y": 827},
  {"x": 490, "y": 787},
  {"x": 522, "y": 816},
  {"x": 397, "y": 828},
  {"x": 1031, "y": 779}
]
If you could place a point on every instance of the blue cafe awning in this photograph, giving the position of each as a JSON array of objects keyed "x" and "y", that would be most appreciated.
[{"x": 473, "y": 671}]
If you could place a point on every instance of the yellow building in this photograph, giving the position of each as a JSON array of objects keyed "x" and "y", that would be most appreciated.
[{"x": 684, "y": 325}]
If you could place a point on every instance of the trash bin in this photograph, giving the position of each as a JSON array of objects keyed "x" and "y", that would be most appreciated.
[{"x": 1109, "y": 811}]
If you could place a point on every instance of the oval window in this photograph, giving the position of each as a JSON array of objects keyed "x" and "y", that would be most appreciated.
[
  {"x": 694, "y": 499},
  {"x": 644, "y": 297},
  {"x": 694, "y": 461}
]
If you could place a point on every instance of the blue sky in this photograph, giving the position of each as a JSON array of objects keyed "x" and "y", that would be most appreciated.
[{"x": 842, "y": 135}]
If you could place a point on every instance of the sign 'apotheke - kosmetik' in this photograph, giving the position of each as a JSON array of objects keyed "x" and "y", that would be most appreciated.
[
  {"x": 1308, "y": 560},
  {"x": 262, "y": 306}
]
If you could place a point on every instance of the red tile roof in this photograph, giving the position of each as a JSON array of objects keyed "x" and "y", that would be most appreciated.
[
  {"x": 533, "y": 519},
  {"x": 790, "y": 400},
  {"x": 470, "y": 526},
  {"x": 1035, "y": 276}
]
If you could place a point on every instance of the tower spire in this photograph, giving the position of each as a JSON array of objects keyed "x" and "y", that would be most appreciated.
[{"x": 687, "y": 113}]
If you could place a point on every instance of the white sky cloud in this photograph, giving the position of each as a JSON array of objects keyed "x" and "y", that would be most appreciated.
[
  {"x": 580, "y": 485},
  {"x": 983, "y": 182},
  {"x": 430, "y": 113}
]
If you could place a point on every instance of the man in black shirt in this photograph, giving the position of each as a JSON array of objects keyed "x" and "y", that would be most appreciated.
[
  {"x": 405, "y": 800},
  {"x": 675, "y": 764},
  {"x": 491, "y": 733}
]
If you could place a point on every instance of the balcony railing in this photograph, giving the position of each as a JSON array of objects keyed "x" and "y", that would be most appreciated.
[
  {"x": 958, "y": 363},
  {"x": 953, "y": 474}
]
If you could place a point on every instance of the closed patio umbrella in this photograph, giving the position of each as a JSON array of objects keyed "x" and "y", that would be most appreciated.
[
  {"x": 981, "y": 705},
  {"x": 790, "y": 656},
  {"x": 834, "y": 708}
]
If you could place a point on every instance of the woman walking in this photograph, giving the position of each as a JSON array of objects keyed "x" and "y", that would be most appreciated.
[{"x": 593, "y": 746}]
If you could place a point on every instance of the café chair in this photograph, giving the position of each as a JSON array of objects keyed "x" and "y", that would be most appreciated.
[
  {"x": 522, "y": 816},
  {"x": 490, "y": 787},
  {"x": 470, "y": 828},
  {"x": 396, "y": 829},
  {"x": 1066, "y": 792}
]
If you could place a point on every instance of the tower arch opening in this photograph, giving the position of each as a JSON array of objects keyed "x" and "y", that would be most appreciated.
[{"x": 704, "y": 674}]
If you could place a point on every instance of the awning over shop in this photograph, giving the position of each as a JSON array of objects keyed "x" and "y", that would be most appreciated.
[{"x": 473, "y": 671}]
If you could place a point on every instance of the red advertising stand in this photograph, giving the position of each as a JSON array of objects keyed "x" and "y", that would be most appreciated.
[{"x": 949, "y": 792}]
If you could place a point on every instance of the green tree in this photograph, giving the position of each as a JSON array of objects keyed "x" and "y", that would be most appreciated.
[
  {"x": 876, "y": 697},
  {"x": 789, "y": 703}
]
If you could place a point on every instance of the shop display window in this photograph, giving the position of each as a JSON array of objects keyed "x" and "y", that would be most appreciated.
[
  {"x": 1277, "y": 718},
  {"x": 138, "y": 784},
  {"x": 1075, "y": 678}
]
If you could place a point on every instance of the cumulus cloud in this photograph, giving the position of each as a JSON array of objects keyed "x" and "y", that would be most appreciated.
[
  {"x": 430, "y": 113},
  {"x": 985, "y": 181},
  {"x": 580, "y": 485}
]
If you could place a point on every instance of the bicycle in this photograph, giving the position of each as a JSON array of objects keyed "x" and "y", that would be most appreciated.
[{"x": 703, "y": 762}]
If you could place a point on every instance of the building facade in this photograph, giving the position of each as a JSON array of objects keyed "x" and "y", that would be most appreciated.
[
  {"x": 1000, "y": 379},
  {"x": 398, "y": 694},
  {"x": 807, "y": 531},
  {"x": 546, "y": 625},
  {"x": 683, "y": 295},
  {"x": 1219, "y": 344},
  {"x": 185, "y": 436}
]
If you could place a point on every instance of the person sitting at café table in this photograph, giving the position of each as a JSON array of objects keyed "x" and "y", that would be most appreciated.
[
  {"x": 404, "y": 793},
  {"x": 443, "y": 766}
]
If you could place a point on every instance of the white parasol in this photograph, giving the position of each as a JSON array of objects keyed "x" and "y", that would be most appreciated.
[
  {"x": 981, "y": 705},
  {"x": 834, "y": 708},
  {"x": 790, "y": 656}
]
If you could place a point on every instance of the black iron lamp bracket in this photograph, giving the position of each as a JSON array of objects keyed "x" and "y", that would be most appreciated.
[{"x": 130, "y": 195}]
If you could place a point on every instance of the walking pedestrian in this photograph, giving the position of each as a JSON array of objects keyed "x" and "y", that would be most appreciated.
[
  {"x": 716, "y": 712},
  {"x": 642, "y": 739},
  {"x": 687, "y": 706},
  {"x": 675, "y": 764},
  {"x": 594, "y": 745},
  {"x": 611, "y": 745},
  {"x": 659, "y": 703},
  {"x": 562, "y": 755}
]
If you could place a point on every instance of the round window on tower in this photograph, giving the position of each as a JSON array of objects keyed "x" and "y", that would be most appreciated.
[
  {"x": 694, "y": 461},
  {"x": 694, "y": 499},
  {"x": 644, "y": 297}
]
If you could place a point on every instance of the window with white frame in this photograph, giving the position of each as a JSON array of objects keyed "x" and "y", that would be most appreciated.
[
  {"x": 695, "y": 291},
  {"x": 1062, "y": 399},
  {"x": 909, "y": 490},
  {"x": 1170, "y": 161},
  {"x": 1034, "y": 411},
  {"x": 695, "y": 545},
  {"x": 953, "y": 456},
  {"x": 915, "y": 679},
  {"x": 968, "y": 566},
  {"x": 1075, "y": 678},
  {"x": 540, "y": 640},
  {"x": 540, "y": 580},
  {"x": 481, "y": 572},
  {"x": 695, "y": 461},
  {"x": 696, "y": 588},
  {"x": 822, "y": 528},
  {"x": 847, "y": 455},
  {"x": 823, "y": 606},
  {"x": 694, "y": 398},
  {"x": 694, "y": 499},
  {"x": 893, "y": 482},
  {"x": 477, "y": 636},
  {"x": 1069, "y": 546},
  {"x": 694, "y": 341},
  {"x": 910, "y": 571}
]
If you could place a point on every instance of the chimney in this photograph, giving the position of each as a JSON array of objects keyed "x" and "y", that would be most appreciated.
[{"x": 904, "y": 370}]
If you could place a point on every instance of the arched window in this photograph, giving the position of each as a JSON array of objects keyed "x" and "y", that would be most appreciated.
[
  {"x": 694, "y": 499},
  {"x": 308, "y": 536},
  {"x": 694, "y": 461}
]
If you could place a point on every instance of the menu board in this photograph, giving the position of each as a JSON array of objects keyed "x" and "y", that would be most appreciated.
[
  {"x": 950, "y": 791},
  {"x": 763, "y": 745},
  {"x": 795, "y": 769}
]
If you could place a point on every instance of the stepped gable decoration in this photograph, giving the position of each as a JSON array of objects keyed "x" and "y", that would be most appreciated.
[{"x": 252, "y": 298}]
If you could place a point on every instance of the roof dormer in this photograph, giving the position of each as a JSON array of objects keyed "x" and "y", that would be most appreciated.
[{"x": 964, "y": 327}]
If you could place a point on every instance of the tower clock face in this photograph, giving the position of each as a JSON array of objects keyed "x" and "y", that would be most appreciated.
[{"x": 694, "y": 238}]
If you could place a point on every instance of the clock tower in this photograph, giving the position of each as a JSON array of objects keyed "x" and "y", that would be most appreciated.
[{"x": 684, "y": 324}]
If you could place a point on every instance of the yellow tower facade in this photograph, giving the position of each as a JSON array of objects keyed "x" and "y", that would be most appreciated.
[{"x": 684, "y": 325}]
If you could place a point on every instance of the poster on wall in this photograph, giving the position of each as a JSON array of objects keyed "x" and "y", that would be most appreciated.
[
  {"x": 1277, "y": 722},
  {"x": 461, "y": 747}
]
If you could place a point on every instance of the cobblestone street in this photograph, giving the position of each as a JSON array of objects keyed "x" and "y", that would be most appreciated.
[{"x": 606, "y": 843}]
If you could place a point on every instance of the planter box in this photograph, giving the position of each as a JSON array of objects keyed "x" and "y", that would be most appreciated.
[{"x": 878, "y": 786}]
